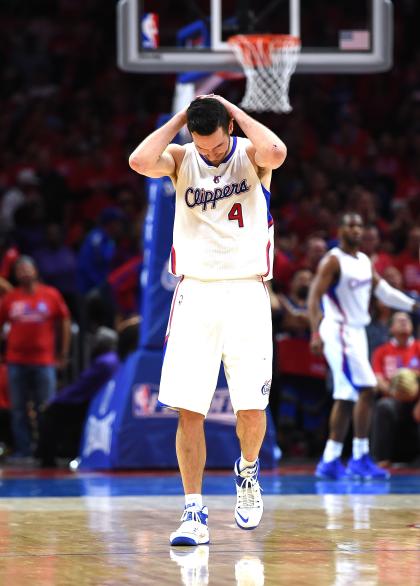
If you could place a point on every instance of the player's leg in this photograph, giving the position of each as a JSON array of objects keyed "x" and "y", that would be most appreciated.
[
  {"x": 330, "y": 465},
  {"x": 191, "y": 454},
  {"x": 362, "y": 413},
  {"x": 189, "y": 377},
  {"x": 247, "y": 357},
  {"x": 191, "y": 450},
  {"x": 250, "y": 429},
  {"x": 344, "y": 394},
  {"x": 360, "y": 372}
]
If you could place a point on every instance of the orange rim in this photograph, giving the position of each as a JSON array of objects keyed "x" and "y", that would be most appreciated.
[
  {"x": 256, "y": 49},
  {"x": 265, "y": 39}
]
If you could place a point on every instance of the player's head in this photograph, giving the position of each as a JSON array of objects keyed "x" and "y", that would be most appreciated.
[
  {"x": 351, "y": 229},
  {"x": 401, "y": 325},
  {"x": 210, "y": 126}
]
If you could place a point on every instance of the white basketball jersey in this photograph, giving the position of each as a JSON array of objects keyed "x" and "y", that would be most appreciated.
[
  {"x": 348, "y": 300},
  {"x": 223, "y": 228}
]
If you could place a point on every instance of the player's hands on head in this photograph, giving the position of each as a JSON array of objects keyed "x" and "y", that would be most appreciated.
[{"x": 228, "y": 105}]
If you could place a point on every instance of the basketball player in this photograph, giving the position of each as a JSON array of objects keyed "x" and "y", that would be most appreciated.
[
  {"x": 223, "y": 251},
  {"x": 344, "y": 281}
]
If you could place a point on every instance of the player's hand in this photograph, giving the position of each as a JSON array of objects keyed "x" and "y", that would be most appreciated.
[
  {"x": 316, "y": 345},
  {"x": 228, "y": 105},
  {"x": 182, "y": 115}
]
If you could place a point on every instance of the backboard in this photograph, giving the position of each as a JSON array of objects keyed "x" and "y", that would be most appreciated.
[{"x": 158, "y": 36}]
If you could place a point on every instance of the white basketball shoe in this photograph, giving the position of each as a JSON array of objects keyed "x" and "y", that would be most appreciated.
[
  {"x": 193, "y": 529},
  {"x": 249, "y": 505}
]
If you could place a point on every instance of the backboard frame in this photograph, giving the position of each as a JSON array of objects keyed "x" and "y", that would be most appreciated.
[{"x": 219, "y": 57}]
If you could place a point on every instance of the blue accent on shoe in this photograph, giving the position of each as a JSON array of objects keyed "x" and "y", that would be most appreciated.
[
  {"x": 365, "y": 468},
  {"x": 245, "y": 520},
  {"x": 238, "y": 472},
  {"x": 245, "y": 528},
  {"x": 191, "y": 515},
  {"x": 333, "y": 470},
  {"x": 182, "y": 540}
]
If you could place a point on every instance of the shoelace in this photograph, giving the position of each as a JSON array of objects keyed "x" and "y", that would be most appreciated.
[
  {"x": 250, "y": 493},
  {"x": 191, "y": 515}
]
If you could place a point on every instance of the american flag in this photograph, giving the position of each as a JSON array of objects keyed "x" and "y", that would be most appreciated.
[{"x": 354, "y": 40}]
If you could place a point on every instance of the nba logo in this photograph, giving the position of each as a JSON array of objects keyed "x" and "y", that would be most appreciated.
[
  {"x": 141, "y": 400},
  {"x": 150, "y": 30}
]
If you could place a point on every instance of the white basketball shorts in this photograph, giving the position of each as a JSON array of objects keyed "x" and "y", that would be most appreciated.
[
  {"x": 346, "y": 351},
  {"x": 214, "y": 321}
]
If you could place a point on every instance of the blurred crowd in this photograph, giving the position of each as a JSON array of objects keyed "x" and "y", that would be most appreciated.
[{"x": 68, "y": 120}]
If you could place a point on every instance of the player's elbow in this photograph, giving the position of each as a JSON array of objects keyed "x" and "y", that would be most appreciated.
[
  {"x": 274, "y": 156},
  {"x": 137, "y": 163},
  {"x": 279, "y": 154}
]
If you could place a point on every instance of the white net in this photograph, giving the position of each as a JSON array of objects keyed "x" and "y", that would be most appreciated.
[{"x": 268, "y": 62}]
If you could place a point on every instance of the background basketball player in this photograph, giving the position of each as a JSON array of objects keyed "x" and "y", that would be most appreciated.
[{"x": 344, "y": 282}]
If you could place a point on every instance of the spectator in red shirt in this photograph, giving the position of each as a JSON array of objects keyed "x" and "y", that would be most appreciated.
[
  {"x": 408, "y": 261},
  {"x": 396, "y": 422},
  {"x": 32, "y": 311}
]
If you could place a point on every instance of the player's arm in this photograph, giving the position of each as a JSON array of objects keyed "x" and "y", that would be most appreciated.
[
  {"x": 392, "y": 297},
  {"x": 326, "y": 275},
  {"x": 155, "y": 156},
  {"x": 267, "y": 150}
]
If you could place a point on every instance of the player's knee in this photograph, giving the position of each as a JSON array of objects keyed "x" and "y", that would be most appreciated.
[
  {"x": 251, "y": 417},
  {"x": 367, "y": 395},
  {"x": 190, "y": 418}
]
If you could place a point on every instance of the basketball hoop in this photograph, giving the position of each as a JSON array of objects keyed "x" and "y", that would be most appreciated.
[{"x": 268, "y": 62}]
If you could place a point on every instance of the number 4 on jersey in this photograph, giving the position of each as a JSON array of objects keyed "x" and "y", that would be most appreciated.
[{"x": 236, "y": 214}]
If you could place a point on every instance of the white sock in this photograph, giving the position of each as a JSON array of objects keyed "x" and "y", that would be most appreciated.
[
  {"x": 360, "y": 447},
  {"x": 245, "y": 463},
  {"x": 332, "y": 450},
  {"x": 365, "y": 445},
  {"x": 195, "y": 500}
]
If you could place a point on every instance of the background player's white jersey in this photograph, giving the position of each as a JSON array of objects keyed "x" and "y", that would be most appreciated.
[
  {"x": 348, "y": 300},
  {"x": 222, "y": 228}
]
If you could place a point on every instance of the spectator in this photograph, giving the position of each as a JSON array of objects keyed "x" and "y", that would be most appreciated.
[
  {"x": 395, "y": 430},
  {"x": 62, "y": 421},
  {"x": 315, "y": 249},
  {"x": 8, "y": 254},
  {"x": 123, "y": 283},
  {"x": 6, "y": 439},
  {"x": 32, "y": 311},
  {"x": 97, "y": 251},
  {"x": 371, "y": 246},
  {"x": 57, "y": 266},
  {"x": 27, "y": 184},
  {"x": 408, "y": 261},
  {"x": 378, "y": 329},
  {"x": 283, "y": 265}
]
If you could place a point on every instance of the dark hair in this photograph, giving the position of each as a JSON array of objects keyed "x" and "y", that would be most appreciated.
[{"x": 206, "y": 115}]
